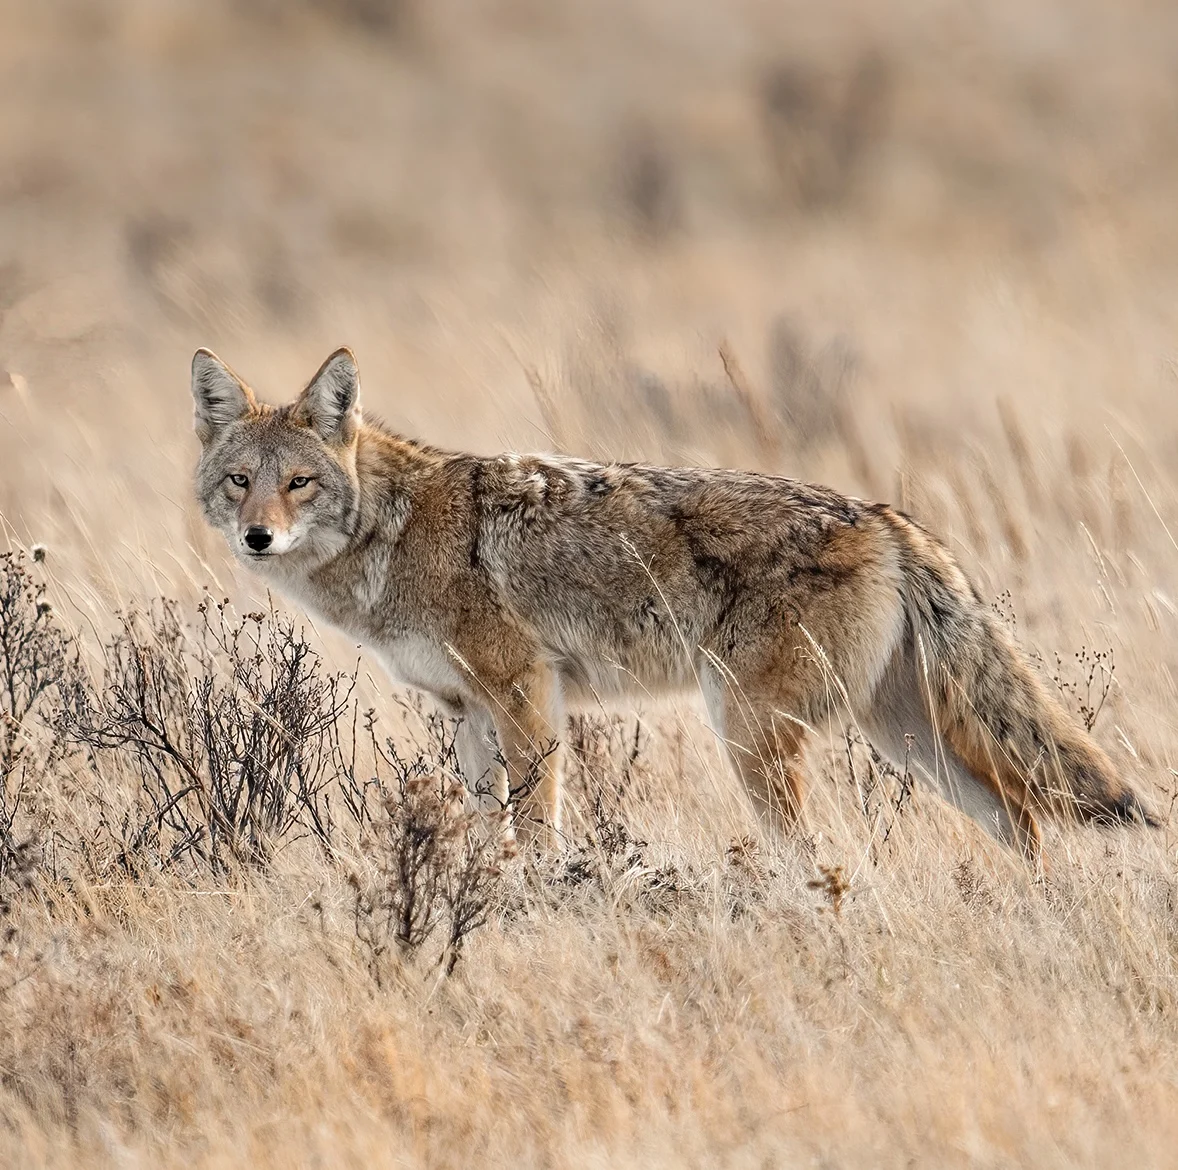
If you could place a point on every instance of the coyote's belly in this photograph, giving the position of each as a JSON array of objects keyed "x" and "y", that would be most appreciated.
[{"x": 592, "y": 672}]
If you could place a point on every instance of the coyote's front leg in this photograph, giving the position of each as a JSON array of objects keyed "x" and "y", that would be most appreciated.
[
  {"x": 482, "y": 771},
  {"x": 527, "y": 716}
]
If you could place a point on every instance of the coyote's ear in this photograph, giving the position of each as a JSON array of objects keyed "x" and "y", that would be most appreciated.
[
  {"x": 330, "y": 405},
  {"x": 221, "y": 397}
]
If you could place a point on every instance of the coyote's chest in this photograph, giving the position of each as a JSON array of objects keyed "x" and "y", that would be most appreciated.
[
  {"x": 410, "y": 658},
  {"x": 416, "y": 661}
]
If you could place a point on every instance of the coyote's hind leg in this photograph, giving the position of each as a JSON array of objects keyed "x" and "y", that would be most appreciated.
[{"x": 766, "y": 749}]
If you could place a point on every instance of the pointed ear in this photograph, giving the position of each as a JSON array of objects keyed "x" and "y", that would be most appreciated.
[
  {"x": 330, "y": 405},
  {"x": 221, "y": 397}
]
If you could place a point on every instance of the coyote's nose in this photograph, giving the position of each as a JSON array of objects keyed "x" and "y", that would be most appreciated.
[{"x": 259, "y": 539}]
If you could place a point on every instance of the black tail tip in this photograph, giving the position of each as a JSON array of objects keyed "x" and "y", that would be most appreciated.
[{"x": 1124, "y": 809}]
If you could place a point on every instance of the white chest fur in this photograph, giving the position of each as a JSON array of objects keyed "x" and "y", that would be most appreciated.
[
  {"x": 410, "y": 659},
  {"x": 418, "y": 662}
]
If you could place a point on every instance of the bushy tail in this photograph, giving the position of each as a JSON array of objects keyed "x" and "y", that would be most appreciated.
[{"x": 991, "y": 706}]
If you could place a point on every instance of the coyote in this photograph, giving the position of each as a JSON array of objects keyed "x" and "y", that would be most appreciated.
[{"x": 510, "y": 586}]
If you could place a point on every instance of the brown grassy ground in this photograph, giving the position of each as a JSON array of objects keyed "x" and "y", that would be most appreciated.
[{"x": 938, "y": 250}]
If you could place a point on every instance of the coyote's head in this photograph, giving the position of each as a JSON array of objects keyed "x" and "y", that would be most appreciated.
[{"x": 279, "y": 482}]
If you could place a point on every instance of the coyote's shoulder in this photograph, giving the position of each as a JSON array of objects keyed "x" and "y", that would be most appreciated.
[{"x": 509, "y": 586}]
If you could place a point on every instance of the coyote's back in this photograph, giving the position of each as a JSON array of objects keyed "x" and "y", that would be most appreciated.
[{"x": 508, "y": 586}]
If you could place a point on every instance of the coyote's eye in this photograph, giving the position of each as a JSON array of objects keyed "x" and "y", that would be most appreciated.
[
  {"x": 240, "y": 481},
  {"x": 299, "y": 481}
]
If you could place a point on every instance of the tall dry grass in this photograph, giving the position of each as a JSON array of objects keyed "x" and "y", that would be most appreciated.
[{"x": 922, "y": 254}]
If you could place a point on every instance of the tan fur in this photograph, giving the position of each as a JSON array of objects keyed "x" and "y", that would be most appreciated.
[{"x": 507, "y": 587}]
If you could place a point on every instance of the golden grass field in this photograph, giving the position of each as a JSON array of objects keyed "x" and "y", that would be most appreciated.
[{"x": 927, "y": 253}]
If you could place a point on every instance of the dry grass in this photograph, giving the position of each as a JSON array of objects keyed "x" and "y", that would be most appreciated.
[{"x": 928, "y": 255}]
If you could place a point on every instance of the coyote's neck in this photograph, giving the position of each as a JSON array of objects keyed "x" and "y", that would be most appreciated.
[
  {"x": 346, "y": 584},
  {"x": 387, "y": 469}
]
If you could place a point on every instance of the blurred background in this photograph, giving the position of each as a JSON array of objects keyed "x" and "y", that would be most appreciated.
[{"x": 923, "y": 251}]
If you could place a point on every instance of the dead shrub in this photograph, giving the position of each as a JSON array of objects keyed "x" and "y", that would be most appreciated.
[
  {"x": 1087, "y": 693},
  {"x": 437, "y": 867},
  {"x": 36, "y": 656},
  {"x": 605, "y": 858},
  {"x": 232, "y": 735}
]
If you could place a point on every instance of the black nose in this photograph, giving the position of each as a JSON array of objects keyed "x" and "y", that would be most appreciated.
[{"x": 258, "y": 539}]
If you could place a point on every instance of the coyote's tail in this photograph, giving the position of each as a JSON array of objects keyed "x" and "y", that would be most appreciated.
[{"x": 991, "y": 708}]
